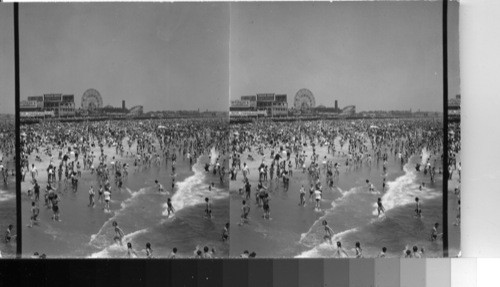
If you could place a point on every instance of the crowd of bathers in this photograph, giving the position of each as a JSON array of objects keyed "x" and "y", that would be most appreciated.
[
  {"x": 288, "y": 148},
  {"x": 455, "y": 164},
  {"x": 71, "y": 148}
]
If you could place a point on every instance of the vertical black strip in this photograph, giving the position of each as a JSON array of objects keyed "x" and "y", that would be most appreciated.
[
  {"x": 445, "y": 128},
  {"x": 19, "y": 237}
]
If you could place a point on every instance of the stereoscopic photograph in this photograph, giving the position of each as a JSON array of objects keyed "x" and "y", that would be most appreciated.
[
  {"x": 337, "y": 128},
  {"x": 124, "y": 129},
  {"x": 231, "y": 130}
]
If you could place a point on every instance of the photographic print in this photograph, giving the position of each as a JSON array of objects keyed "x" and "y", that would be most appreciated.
[
  {"x": 337, "y": 127},
  {"x": 124, "y": 130}
]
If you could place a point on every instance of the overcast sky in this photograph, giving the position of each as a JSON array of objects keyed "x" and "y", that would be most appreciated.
[
  {"x": 162, "y": 55},
  {"x": 376, "y": 56},
  {"x": 175, "y": 56},
  {"x": 6, "y": 59}
]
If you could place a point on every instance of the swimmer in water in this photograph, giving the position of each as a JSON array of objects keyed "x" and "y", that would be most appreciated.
[
  {"x": 225, "y": 232},
  {"x": 457, "y": 219},
  {"x": 101, "y": 194},
  {"x": 198, "y": 254},
  {"x": 340, "y": 252},
  {"x": 317, "y": 196},
  {"x": 371, "y": 187},
  {"x": 328, "y": 232},
  {"x": 380, "y": 207},
  {"x": 359, "y": 251},
  {"x": 34, "y": 214},
  {"x": 311, "y": 192},
  {"x": 159, "y": 186},
  {"x": 208, "y": 208},
  {"x": 130, "y": 251},
  {"x": 435, "y": 234},
  {"x": 8, "y": 234},
  {"x": 302, "y": 196},
  {"x": 245, "y": 254},
  {"x": 170, "y": 208},
  {"x": 208, "y": 254},
  {"x": 173, "y": 254},
  {"x": 149, "y": 251},
  {"x": 382, "y": 253},
  {"x": 91, "y": 196},
  {"x": 418, "y": 210},
  {"x": 107, "y": 199},
  {"x": 118, "y": 233},
  {"x": 417, "y": 253},
  {"x": 266, "y": 207},
  {"x": 245, "y": 210}
]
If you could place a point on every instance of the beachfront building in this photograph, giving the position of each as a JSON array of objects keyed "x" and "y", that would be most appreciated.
[
  {"x": 136, "y": 111},
  {"x": 245, "y": 108},
  {"x": 264, "y": 104},
  {"x": 329, "y": 111},
  {"x": 48, "y": 105},
  {"x": 67, "y": 106},
  {"x": 58, "y": 105},
  {"x": 33, "y": 107},
  {"x": 109, "y": 110},
  {"x": 243, "y": 105},
  {"x": 349, "y": 111},
  {"x": 280, "y": 106}
]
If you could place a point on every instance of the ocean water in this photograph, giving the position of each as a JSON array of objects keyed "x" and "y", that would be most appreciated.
[
  {"x": 139, "y": 210},
  {"x": 8, "y": 195},
  {"x": 185, "y": 230},
  {"x": 351, "y": 211},
  {"x": 7, "y": 216},
  {"x": 353, "y": 217},
  {"x": 8, "y": 212}
]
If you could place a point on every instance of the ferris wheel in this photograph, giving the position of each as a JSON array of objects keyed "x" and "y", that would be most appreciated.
[
  {"x": 91, "y": 100},
  {"x": 304, "y": 100}
]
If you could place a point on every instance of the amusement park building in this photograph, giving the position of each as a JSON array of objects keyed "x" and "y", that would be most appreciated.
[
  {"x": 58, "y": 105},
  {"x": 273, "y": 105}
]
